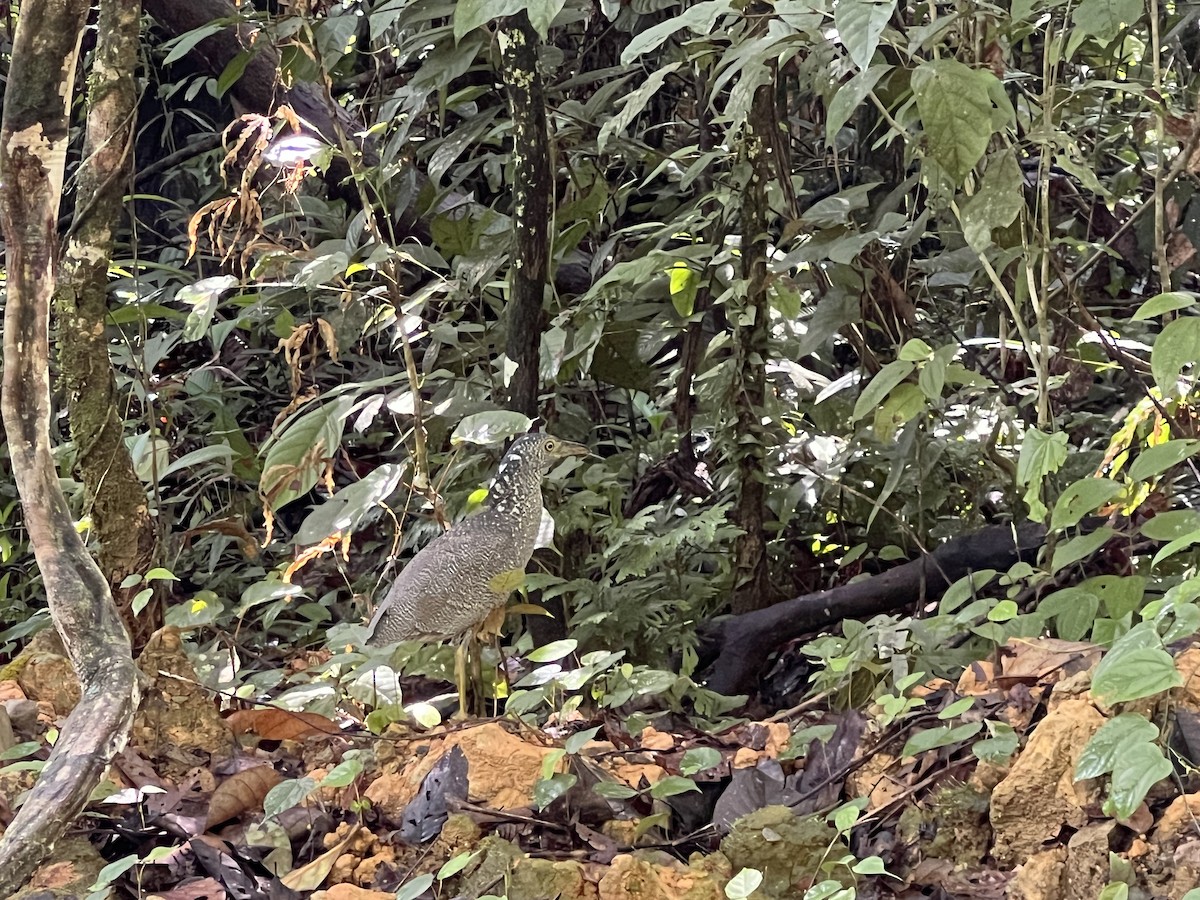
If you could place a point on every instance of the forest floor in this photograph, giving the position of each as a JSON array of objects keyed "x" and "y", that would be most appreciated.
[{"x": 904, "y": 801}]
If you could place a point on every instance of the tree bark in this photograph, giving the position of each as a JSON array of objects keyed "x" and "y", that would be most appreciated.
[
  {"x": 532, "y": 188},
  {"x": 738, "y": 647},
  {"x": 33, "y": 145},
  {"x": 117, "y": 501},
  {"x": 752, "y": 587}
]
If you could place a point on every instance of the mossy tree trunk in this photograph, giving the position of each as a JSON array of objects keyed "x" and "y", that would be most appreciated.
[
  {"x": 751, "y": 589},
  {"x": 118, "y": 503},
  {"x": 33, "y": 150}
]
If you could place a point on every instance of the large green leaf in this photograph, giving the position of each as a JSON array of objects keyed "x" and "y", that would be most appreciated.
[
  {"x": 956, "y": 112},
  {"x": 1177, "y": 346},
  {"x": 1081, "y": 498},
  {"x": 859, "y": 24},
  {"x": 881, "y": 385},
  {"x": 1114, "y": 737},
  {"x": 1125, "y": 675},
  {"x": 300, "y": 454},
  {"x": 997, "y": 202}
]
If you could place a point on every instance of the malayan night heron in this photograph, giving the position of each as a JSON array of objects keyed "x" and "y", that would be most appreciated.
[{"x": 462, "y": 576}]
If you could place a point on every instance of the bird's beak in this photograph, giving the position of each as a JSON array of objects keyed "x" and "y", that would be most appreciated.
[{"x": 567, "y": 449}]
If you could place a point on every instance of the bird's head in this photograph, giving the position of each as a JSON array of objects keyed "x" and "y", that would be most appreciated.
[{"x": 541, "y": 452}]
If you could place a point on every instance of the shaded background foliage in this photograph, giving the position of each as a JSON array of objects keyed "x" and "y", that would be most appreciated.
[{"x": 951, "y": 263}]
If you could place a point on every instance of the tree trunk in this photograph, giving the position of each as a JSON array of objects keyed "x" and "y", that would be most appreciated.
[
  {"x": 751, "y": 589},
  {"x": 119, "y": 507},
  {"x": 33, "y": 147},
  {"x": 532, "y": 188}
]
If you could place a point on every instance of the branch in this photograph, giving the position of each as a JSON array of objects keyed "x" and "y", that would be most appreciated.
[
  {"x": 33, "y": 145},
  {"x": 741, "y": 644}
]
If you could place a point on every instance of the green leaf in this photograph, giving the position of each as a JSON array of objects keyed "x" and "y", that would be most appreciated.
[
  {"x": 847, "y": 98},
  {"x": 202, "y": 297},
  {"x": 699, "y": 19},
  {"x": 859, "y": 24},
  {"x": 1164, "y": 303},
  {"x": 553, "y": 651},
  {"x": 881, "y": 385},
  {"x": 343, "y": 773},
  {"x": 1074, "y": 610},
  {"x": 1003, "y": 611},
  {"x": 1072, "y": 551},
  {"x": 1102, "y": 753},
  {"x": 632, "y": 103},
  {"x": 575, "y": 742},
  {"x": 300, "y": 453},
  {"x": 113, "y": 871},
  {"x": 956, "y": 112},
  {"x": 957, "y": 708},
  {"x": 1081, "y": 498},
  {"x": 685, "y": 284},
  {"x": 1130, "y": 675},
  {"x": 286, "y": 795},
  {"x": 872, "y": 865},
  {"x": 932, "y": 738},
  {"x": 232, "y": 73},
  {"x": 743, "y": 884},
  {"x": 613, "y": 790},
  {"x": 471, "y": 14},
  {"x": 1103, "y": 19},
  {"x": 997, "y": 203},
  {"x": 183, "y": 45},
  {"x": 1000, "y": 746},
  {"x": 456, "y": 864},
  {"x": 547, "y": 790},
  {"x": 1177, "y": 346},
  {"x": 1155, "y": 460},
  {"x": 490, "y": 427},
  {"x": 1170, "y": 525},
  {"x": 1138, "y": 769},
  {"x": 411, "y": 890},
  {"x": 699, "y": 759},
  {"x": 672, "y": 785},
  {"x": 1041, "y": 454}
]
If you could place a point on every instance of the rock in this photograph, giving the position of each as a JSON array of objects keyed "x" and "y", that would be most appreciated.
[
  {"x": 636, "y": 877},
  {"x": 51, "y": 679},
  {"x": 350, "y": 892},
  {"x": 1041, "y": 877},
  {"x": 1186, "y": 869},
  {"x": 177, "y": 722},
  {"x": 952, "y": 824},
  {"x": 789, "y": 850},
  {"x": 1039, "y": 795},
  {"x": 1177, "y": 823},
  {"x": 502, "y": 770},
  {"x": 1087, "y": 870},
  {"x": 543, "y": 879}
]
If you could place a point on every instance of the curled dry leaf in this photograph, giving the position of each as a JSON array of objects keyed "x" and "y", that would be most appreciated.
[
  {"x": 240, "y": 792},
  {"x": 273, "y": 724}
]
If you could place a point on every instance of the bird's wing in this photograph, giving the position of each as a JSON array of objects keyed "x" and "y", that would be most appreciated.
[{"x": 449, "y": 586}]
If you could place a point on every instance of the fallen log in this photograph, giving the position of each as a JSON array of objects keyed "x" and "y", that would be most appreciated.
[{"x": 737, "y": 648}]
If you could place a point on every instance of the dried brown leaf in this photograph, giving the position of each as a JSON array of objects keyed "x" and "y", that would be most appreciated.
[{"x": 239, "y": 793}]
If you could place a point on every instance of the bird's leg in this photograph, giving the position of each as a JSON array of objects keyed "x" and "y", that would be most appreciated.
[{"x": 460, "y": 674}]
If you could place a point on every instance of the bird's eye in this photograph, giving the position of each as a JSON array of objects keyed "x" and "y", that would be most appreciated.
[{"x": 551, "y": 445}]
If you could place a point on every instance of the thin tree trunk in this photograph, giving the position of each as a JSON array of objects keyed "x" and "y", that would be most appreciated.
[
  {"x": 751, "y": 588},
  {"x": 118, "y": 503},
  {"x": 531, "y": 208},
  {"x": 33, "y": 145}
]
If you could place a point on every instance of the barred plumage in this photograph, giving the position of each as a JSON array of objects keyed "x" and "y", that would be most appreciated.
[{"x": 456, "y": 580}]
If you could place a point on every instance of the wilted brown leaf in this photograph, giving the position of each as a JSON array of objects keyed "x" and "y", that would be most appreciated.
[
  {"x": 273, "y": 724},
  {"x": 240, "y": 792}
]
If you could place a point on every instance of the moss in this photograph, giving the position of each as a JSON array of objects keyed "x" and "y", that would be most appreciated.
[
  {"x": 791, "y": 851},
  {"x": 951, "y": 825}
]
